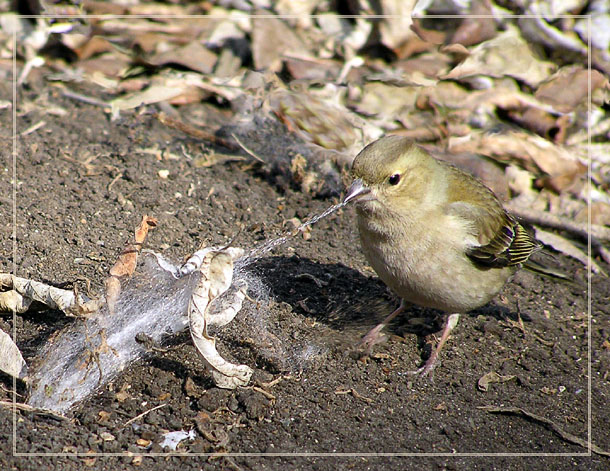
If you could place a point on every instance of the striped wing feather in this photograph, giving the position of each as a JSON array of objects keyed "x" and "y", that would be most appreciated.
[{"x": 503, "y": 240}]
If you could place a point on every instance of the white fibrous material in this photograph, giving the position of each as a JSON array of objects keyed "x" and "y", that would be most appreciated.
[
  {"x": 216, "y": 274},
  {"x": 155, "y": 302},
  {"x": 158, "y": 300}
]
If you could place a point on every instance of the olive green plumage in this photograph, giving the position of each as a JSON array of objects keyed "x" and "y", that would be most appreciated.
[{"x": 433, "y": 233}]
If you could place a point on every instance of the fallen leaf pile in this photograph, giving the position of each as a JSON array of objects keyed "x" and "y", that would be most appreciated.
[
  {"x": 516, "y": 92},
  {"x": 488, "y": 90}
]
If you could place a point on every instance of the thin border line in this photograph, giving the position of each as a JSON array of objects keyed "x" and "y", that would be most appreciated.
[
  {"x": 313, "y": 454},
  {"x": 589, "y": 265},
  {"x": 14, "y": 220},
  {"x": 303, "y": 455},
  {"x": 290, "y": 17}
]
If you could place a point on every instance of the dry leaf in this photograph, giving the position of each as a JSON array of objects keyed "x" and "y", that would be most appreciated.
[
  {"x": 387, "y": 101},
  {"x": 153, "y": 94},
  {"x": 535, "y": 28},
  {"x": 122, "y": 395},
  {"x": 95, "y": 45},
  {"x": 193, "y": 56},
  {"x": 477, "y": 28},
  {"x": 271, "y": 38},
  {"x": 492, "y": 377},
  {"x": 506, "y": 54},
  {"x": 126, "y": 263},
  {"x": 569, "y": 87},
  {"x": 70, "y": 302},
  {"x": 535, "y": 153},
  {"x": 216, "y": 267},
  {"x": 11, "y": 360},
  {"x": 395, "y": 28}
]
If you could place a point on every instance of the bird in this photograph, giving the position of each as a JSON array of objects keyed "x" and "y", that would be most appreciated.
[{"x": 434, "y": 234}]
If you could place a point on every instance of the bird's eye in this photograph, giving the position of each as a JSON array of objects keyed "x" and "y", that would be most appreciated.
[{"x": 394, "y": 179}]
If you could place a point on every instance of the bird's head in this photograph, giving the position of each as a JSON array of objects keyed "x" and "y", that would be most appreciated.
[{"x": 391, "y": 173}]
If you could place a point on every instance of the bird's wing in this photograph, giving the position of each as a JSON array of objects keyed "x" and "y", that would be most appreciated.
[{"x": 503, "y": 241}]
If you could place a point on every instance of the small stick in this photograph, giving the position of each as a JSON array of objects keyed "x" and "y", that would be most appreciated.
[
  {"x": 248, "y": 151},
  {"x": 33, "y": 128},
  {"x": 35, "y": 410},
  {"x": 550, "y": 220},
  {"x": 130, "y": 421},
  {"x": 84, "y": 98},
  {"x": 548, "y": 423},
  {"x": 114, "y": 180},
  {"x": 193, "y": 131},
  {"x": 267, "y": 394}
]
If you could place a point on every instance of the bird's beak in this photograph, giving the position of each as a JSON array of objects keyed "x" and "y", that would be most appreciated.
[{"x": 357, "y": 192}]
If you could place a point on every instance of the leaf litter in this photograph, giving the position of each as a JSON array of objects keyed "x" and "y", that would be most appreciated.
[{"x": 469, "y": 101}]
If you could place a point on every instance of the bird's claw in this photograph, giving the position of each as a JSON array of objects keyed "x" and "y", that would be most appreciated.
[{"x": 372, "y": 338}]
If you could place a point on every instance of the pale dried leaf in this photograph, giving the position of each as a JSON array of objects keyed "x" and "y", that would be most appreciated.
[
  {"x": 492, "y": 377},
  {"x": 479, "y": 27},
  {"x": 224, "y": 30},
  {"x": 221, "y": 316},
  {"x": 519, "y": 181},
  {"x": 395, "y": 27},
  {"x": 193, "y": 56},
  {"x": 569, "y": 87},
  {"x": 216, "y": 269},
  {"x": 600, "y": 29},
  {"x": 522, "y": 147},
  {"x": 12, "y": 301},
  {"x": 11, "y": 360},
  {"x": 536, "y": 28},
  {"x": 388, "y": 101},
  {"x": 271, "y": 38},
  {"x": 54, "y": 298},
  {"x": 153, "y": 94},
  {"x": 506, "y": 54},
  {"x": 600, "y": 214}
]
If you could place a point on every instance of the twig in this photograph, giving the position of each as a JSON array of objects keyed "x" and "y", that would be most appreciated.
[
  {"x": 84, "y": 98},
  {"x": 33, "y": 128},
  {"x": 114, "y": 180},
  {"x": 130, "y": 421},
  {"x": 548, "y": 424},
  {"x": 550, "y": 220},
  {"x": 267, "y": 394},
  {"x": 248, "y": 151},
  {"x": 10, "y": 391},
  {"x": 604, "y": 253},
  {"x": 193, "y": 131},
  {"x": 35, "y": 410},
  {"x": 354, "y": 393},
  {"x": 272, "y": 383}
]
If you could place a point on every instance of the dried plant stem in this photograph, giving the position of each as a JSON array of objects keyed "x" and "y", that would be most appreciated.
[
  {"x": 600, "y": 233},
  {"x": 130, "y": 421},
  {"x": 35, "y": 410},
  {"x": 194, "y": 132}
]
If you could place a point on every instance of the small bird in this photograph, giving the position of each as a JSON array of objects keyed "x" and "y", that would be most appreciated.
[{"x": 434, "y": 234}]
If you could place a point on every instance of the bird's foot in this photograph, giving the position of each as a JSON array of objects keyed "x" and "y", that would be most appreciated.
[
  {"x": 426, "y": 369},
  {"x": 432, "y": 361},
  {"x": 373, "y": 337}
]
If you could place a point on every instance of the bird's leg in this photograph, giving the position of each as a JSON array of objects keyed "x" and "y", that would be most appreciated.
[
  {"x": 373, "y": 337},
  {"x": 431, "y": 362}
]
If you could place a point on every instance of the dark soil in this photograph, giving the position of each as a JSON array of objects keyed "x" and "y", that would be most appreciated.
[{"x": 328, "y": 406}]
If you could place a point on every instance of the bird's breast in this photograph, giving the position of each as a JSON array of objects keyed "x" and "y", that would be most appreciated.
[{"x": 423, "y": 260}]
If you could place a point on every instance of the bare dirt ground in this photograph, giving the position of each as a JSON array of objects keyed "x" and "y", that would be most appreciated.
[{"x": 315, "y": 394}]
